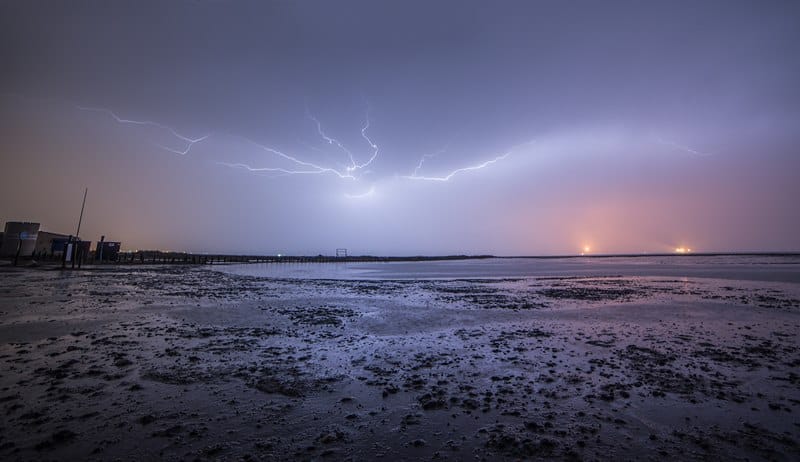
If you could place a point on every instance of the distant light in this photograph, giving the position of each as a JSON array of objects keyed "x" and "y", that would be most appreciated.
[
  {"x": 586, "y": 249},
  {"x": 279, "y": 255},
  {"x": 682, "y": 250}
]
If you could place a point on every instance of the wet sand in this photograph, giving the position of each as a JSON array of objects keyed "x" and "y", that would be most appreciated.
[{"x": 189, "y": 363}]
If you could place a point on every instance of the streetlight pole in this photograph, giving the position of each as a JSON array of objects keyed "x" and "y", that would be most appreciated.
[
  {"x": 76, "y": 250},
  {"x": 80, "y": 219}
]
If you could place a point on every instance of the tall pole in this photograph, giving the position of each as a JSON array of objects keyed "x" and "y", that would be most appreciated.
[
  {"x": 76, "y": 248},
  {"x": 78, "y": 232}
]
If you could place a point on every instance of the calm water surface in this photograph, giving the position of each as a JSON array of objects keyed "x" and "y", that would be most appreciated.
[{"x": 755, "y": 268}]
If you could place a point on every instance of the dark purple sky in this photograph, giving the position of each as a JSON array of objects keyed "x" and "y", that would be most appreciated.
[{"x": 494, "y": 127}]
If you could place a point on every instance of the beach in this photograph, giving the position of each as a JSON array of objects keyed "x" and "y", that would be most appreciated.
[{"x": 503, "y": 360}]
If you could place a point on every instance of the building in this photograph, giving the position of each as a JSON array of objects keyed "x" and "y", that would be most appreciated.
[
  {"x": 19, "y": 236},
  {"x": 49, "y": 243},
  {"x": 107, "y": 251}
]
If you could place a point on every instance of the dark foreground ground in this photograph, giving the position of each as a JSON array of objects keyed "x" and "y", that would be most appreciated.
[{"x": 189, "y": 363}]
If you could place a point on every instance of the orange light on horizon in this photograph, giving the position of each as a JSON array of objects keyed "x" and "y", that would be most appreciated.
[{"x": 683, "y": 250}]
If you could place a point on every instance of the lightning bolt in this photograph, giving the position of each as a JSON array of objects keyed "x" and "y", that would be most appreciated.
[
  {"x": 332, "y": 141},
  {"x": 190, "y": 141},
  {"x": 428, "y": 156},
  {"x": 671, "y": 144},
  {"x": 354, "y": 166},
  {"x": 300, "y": 166},
  {"x": 321, "y": 151},
  {"x": 372, "y": 145},
  {"x": 268, "y": 169},
  {"x": 450, "y": 175},
  {"x": 188, "y": 146},
  {"x": 305, "y": 167}
]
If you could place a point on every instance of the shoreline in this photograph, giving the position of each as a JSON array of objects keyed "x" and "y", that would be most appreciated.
[{"x": 155, "y": 258}]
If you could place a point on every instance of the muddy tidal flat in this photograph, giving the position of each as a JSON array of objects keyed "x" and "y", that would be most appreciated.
[{"x": 630, "y": 362}]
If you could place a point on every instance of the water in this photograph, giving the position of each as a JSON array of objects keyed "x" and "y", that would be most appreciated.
[{"x": 736, "y": 267}]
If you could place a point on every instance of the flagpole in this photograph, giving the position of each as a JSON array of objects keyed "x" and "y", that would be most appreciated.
[{"x": 78, "y": 232}]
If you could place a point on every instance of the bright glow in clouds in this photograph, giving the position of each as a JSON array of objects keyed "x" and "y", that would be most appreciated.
[
  {"x": 642, "y": 143},
  {"x": 355, "y": 170},
  {"x": 559, "y": 186},
  {"x": 368, "y": 193}
]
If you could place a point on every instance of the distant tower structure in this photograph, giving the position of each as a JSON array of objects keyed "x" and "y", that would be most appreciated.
[{"x": 341, "y": 253}]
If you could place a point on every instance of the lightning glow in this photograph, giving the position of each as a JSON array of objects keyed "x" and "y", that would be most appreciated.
[{"x": 368, "y": 193}]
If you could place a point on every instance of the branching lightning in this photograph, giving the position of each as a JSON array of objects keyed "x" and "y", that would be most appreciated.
[
  {"x": 354, "y": 166},
  {"x": 303, "y": 167},
  {"x": 188, "y": 146},
  {"x": 353, "y": 170},
  {"x": 425, "y": 157},
  {"x": 350, "y": 172},
  {"x": 332, "y": 141},
  {"x": 190, "y": 141},
  {"x": 372, "y": 145},
  {"x": 268, "y": 169},
  {"x": 453, "y": 173},
  {"x": 306, "y": 167}
]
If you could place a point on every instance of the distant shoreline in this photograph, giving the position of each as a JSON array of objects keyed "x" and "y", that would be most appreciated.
[
  {"x": 174, "y": 258},
  {"x": 692, "y": 254}
]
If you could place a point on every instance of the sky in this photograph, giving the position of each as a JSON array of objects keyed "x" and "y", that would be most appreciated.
[{"x": 407, "y": 127}]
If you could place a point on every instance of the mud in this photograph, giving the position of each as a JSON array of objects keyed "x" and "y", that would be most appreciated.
[{"x": 189, "y": 363}]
